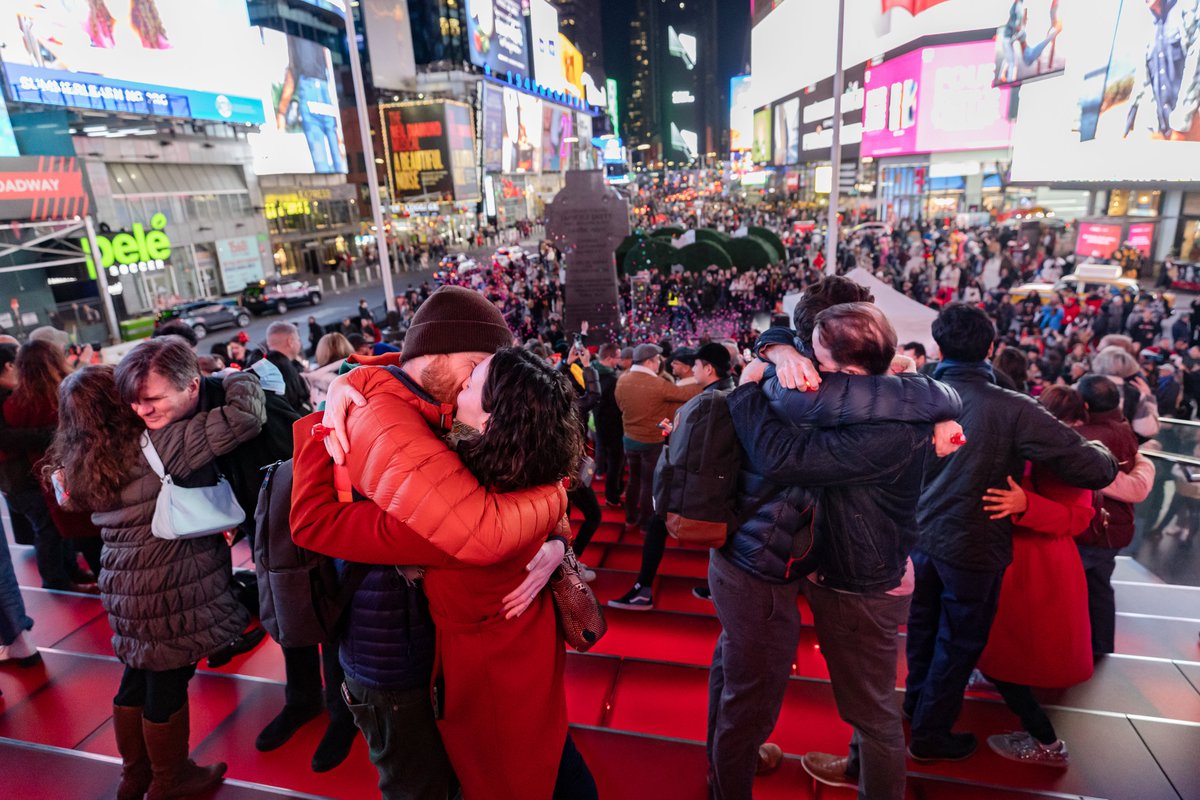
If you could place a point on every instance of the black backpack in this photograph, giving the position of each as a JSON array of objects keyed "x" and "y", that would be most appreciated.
[
  {"x": 696, "y": 480},
  {"x": 301, "y": 599}
]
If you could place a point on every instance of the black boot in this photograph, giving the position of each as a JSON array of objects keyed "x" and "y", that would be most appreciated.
[{"x": 279, "y": 730}]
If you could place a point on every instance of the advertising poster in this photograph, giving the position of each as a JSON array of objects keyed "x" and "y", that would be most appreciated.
[
  {"x": 303, "y": 130},
  {"x": 583, "y": 132},
  {"x": 760, "y": 151},
  {"x": 1141, "y": 237},
  {"x": 816, "y": 117},
  {"x": 460, "y": 141},
  {"x": 493, "y": 128},
  {"x": 547, "y": 54},
  {"x": 1151, "y": 88},
  {"x": 41, "y": 187},
  {"x": 389, "y": 36},
  {"x": 741, "y": 114},
  {"x": 522, "y": 132},
  {"x": 558, "y": 126},
  {"x": 1097, "y": 241},
  {"x": 416, "y": 151},
  {"x": 1028, "y": 44},
  {"x": 135, "y": 57},
  {"x": 496, "y": 35},
  {"x": 239, "y": 261},
  {"x": 935, "y": 100}
]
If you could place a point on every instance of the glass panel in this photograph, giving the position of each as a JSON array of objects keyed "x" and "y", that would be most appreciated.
[
  {"x": 1177, "y": 436},
  {"x": 1168, "y": 521}
]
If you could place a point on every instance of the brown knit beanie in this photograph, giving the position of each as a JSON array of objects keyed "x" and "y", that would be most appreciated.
[{"x": 456, "y": 320}]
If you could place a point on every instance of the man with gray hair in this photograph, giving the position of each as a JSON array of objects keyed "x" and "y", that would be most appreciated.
[
  {"x": 283, "y": 350},
  {"x": 1137, "y": 398}
]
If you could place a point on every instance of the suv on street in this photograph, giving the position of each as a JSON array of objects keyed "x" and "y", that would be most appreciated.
[
  {"x": 205, "y": 315},
  {"x": 279, "y": 294}
]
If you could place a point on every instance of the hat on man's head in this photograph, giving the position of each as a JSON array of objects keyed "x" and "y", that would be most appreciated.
[
  {"x": 627, "y": 353},
  {"x": 717, "y": 356},
  {"x": 645, "y": 352},
  {"x": 685, "y": 355},
  {"x": 456, "y": 320}
]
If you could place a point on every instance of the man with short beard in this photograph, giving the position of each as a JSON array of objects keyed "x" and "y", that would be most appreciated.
[{"x": 387, "y": 644}]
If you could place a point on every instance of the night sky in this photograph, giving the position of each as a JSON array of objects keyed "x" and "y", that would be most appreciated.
[{"x": 733, "y": 41}]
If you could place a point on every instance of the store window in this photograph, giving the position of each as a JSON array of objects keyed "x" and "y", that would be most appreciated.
[{"x": 1134, "y": 203}]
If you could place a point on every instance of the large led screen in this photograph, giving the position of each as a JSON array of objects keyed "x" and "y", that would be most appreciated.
[
  {"x": 522, "y": 132},
  {"x": 496, "y": 35},
  {"x": 558, "y": 131},
  {"x": 760, "y": 150},
  {"x": 787, "y": 132},
  {"x": 173, "y": 58},
  {"x": 303, "y": 130},
  {"x": 389, "y": 36},
  {"x": 547, "y": 52},
  {"x": 493, "y": 128},
  {"x": 1126, "y": 108},
  {"x": 429, "y": 149},
  {"x": 935, "y": 100},
  {"x": 816, "y": 117},
  {"x": 1029, "y": 44},
  {"x": 741, "y": 114}
]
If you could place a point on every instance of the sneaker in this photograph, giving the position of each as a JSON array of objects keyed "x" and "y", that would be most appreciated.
[
  {"x": 702, "y": 593},
  {"x": 20, "y": 652},
  {"x": 1022, "y": 747},
  {"x": 638, "y": 598},
  {"x": 956, "y": 747},
  {"x": 829, "y": 770},
  {"x": 770, "y": 756},
  {"x": 587, "y": 573}
]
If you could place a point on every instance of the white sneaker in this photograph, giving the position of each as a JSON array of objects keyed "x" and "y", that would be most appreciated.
[
  {"x": 587, "y": 573},
  {"x": 1022, "y": 747}
]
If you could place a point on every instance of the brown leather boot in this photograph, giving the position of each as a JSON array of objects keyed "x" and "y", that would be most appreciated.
[
  {"x": 175, "y": 775},
  {"x": 135, "y": 764}
]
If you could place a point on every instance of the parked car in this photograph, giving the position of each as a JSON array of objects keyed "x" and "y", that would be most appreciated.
[
  {"x": 205, "y": 315},
  {"x": 279, "y": 295}
]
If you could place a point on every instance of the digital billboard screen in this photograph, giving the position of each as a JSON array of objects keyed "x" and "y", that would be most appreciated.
[
  {"x": 522, "y": 132},
  {"x": 389, "y": 36},
  {"x": 760, "y": 150},
  {"x": 547, "y": 52},
  {"x": 558, "y": 128},
  {"x": 302, "y": 133},
  {"x": 135, "y": 58},
  {"x": 741, "y": 114},
  {"x": 787, "y": 132},
  {"x": 1029, "y": 43},
  {"x": 1096, "y": 240},
  {"x": 935, "y": 100},
  {"x": 493, "y": 128},
  {"x": 816, "y": 117},
  {"x": 682, "y": 97},
  {"x": 429, "y": 149},
  {"x": 496, "y": 36}
]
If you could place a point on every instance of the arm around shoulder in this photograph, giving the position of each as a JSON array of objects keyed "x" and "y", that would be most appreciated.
[{"x": 191, "y": 444}]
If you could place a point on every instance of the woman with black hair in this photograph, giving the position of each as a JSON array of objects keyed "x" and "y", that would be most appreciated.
[{"x": 498, "y": 675}]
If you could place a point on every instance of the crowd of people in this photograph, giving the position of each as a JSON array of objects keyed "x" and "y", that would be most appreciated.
[{"x": 434, "y": 455}]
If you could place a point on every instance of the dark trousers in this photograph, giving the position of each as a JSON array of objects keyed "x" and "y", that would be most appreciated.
[
  {"x": 610, "y": 460},
  {"x": 948, "y": 626},
  {"x": 1098, "y": 566},
  {"x": 859, "y": 638},
  {"x": 652, "y": 550},
  {"x": 1020, "y": 701},
  {"x": 54, "y": 554},
  {"x": 584, "y": 499},
  {"x": 303, "y": 688},
  {"x": 89, "y": 547},
  {"x": 639, "y": 497},
  {"x": 760, "y": 631},
  {"x": 575, "y": 781},
  {"x": 402, "y": 741},
  {"x": 158, "y": 693}
]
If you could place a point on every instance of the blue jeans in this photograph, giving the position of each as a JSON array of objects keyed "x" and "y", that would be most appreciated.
[
  {"x": 321, "y": 130},
  {"x": 948, "y": 625},
  {"x": 13, "y": 619}
]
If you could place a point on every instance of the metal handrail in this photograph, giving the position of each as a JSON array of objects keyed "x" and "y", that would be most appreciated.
[
  {"x": 1174, "y": 458},
  {"x": 1187, "y": 423}
]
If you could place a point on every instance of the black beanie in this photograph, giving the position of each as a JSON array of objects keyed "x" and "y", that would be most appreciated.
[{"x": 456, "y": 320}]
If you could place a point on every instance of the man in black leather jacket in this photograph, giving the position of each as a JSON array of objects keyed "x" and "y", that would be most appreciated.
[
  {"x": 963, "y": 553},
  {"x": 756, "y": 577}
]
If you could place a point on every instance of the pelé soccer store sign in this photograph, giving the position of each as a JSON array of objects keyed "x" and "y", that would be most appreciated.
[
  {"x": 429, "y": 151},
  {"x": 139, "y": 250}
]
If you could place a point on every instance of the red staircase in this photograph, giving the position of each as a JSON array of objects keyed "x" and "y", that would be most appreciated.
[{"x": 638, "y": 704}]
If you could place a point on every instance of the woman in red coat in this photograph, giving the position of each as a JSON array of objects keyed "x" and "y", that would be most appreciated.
[
  {"x": 498, "y": 676},
  {"x": 1041, "y": 635}
]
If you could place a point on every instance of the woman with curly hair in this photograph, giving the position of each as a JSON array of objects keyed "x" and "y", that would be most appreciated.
[{"x": 498, "y": 673}]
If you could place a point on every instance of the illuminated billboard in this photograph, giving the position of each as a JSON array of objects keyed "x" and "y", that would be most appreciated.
[
  {"x": 1028, "y": 44},
  {"x": 816, "y": 117},
  {"x": 496, "y": 35},
  {"x": 558, "y": 131},
  {"x": 429, "y": 149},
  {"x": 1127, "y": 108},
  {"x": 787, "y": 132},
  {"x": 389, "y": 37},
  {"x": 741, "y": 114},
  {"x": 163, "y": 58},
  {"x": 935, "y": 100},
  {"x": 493, "y": 128},
  {"x": 302, "y": 133},
  {"x": 760, "y": 148},
  {"x": 547, "y": 55},
  {"x": 682, "y": 98},
  {"x": 522, "y": 142}
]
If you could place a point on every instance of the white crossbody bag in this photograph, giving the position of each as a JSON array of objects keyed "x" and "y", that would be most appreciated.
[{"x": 183, "y": 513}]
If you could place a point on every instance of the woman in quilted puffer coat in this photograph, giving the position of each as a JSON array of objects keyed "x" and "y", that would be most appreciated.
[
  {"x": 498, "y": 677},
  {"x": 169, "y": 602}
]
